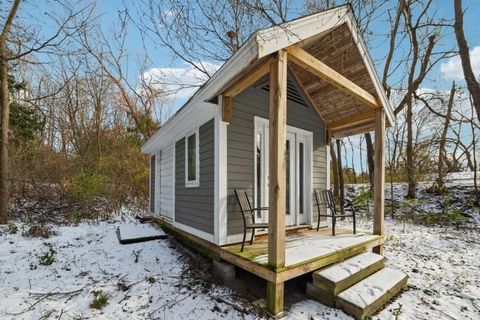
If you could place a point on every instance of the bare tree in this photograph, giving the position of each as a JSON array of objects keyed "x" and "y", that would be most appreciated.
[
  {"x": 17, "y": 45},
  {"x": 470, "y": 79},
  {"x": 137, "y": 98},
  {"x": 442, "y": 152}
]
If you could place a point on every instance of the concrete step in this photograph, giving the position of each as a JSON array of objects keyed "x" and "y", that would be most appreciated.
[
  {"x": 372, "y": 293},
  {"x": 330, "y": 281}
]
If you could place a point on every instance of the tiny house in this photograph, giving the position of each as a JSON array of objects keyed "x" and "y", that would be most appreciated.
[{"x": 263, "y": 123}]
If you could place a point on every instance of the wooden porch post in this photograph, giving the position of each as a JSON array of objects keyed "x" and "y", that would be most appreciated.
[
  {"x": 379, "y": 176},
  {"x": 277, "y": 183}
]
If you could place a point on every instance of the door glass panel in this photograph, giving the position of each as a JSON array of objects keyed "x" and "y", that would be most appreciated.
[
  {"x": 287, "y": 154},
  {"x": 259, "y": 173},
  {"x": 301, "y": 178}
]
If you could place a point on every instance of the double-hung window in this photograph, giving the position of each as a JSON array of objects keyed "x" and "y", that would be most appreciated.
[{"x": 192, "y": 160}]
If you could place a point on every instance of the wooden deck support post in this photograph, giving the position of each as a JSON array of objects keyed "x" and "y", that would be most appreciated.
[
  {"x": 379, "y": 176},
  {"x": 277, "y": 183}
]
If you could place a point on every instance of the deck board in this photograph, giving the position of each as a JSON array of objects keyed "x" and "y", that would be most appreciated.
[{"x": 304, "y": 246}]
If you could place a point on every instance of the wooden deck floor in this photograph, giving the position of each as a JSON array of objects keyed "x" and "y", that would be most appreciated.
[{"x": 305, "y": 251}]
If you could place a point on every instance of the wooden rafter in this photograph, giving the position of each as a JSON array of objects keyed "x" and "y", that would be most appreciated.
[
  {"x": 242, "y": 84},
  {"x": 353, "y": 120},
  {"x": 305, "y": 60}
]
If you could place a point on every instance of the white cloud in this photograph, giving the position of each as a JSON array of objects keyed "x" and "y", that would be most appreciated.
[
  {"x": 179, "y": 82},
  {"x": 452, "y": 69}
]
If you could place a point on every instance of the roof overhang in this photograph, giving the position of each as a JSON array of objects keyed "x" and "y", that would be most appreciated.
[{"x": 304, "y": 32}]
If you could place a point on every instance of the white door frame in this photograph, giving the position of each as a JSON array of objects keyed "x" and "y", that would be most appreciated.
[{"x": 299, "y": 136}]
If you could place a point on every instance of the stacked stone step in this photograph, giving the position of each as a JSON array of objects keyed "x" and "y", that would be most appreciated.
[
  {"x": 330, "y": 281},
  {"x": 359, "y": 285}
]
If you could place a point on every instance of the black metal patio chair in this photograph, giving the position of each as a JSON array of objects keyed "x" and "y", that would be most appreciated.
[
  {"x": 248, "y": 215},
  {"x": 325, "y": 198}
]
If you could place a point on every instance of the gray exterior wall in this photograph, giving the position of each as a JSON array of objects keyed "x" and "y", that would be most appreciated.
[
  {"x": 194, "y": 206},
  {"x": 240, "y": 147}
]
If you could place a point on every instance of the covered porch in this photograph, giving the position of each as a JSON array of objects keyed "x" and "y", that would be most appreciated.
[{"x": 337, "y": 77}]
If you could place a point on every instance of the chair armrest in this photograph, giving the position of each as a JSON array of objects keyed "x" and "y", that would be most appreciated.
[{"x": 260, "y": 209}]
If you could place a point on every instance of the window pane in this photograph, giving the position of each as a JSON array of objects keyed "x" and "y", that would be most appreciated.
[
  {"x": 301, "y": 178},
  {"x": 287, "y": 154},
  {"x": 259, "y": 173},
  {"x": 192, "y": 168}
]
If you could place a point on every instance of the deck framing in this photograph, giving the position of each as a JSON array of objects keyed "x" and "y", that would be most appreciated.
[{"x": 264, "y": 271}]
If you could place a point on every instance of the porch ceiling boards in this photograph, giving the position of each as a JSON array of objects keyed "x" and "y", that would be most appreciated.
[
  {"x": 340, "y": 111},
  {"x": 331, "y": 71}
]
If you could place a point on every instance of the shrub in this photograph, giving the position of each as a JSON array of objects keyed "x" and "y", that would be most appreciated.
[
  {"x": 39, "y": 231},
  {"x": 88, "y": 185},
  {"x": 47, "y": 258},
  {"x": 12, "y": 228},
  {"x": 100, "y": 299}
]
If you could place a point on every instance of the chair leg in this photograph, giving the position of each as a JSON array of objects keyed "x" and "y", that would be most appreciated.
[
  {"x": 318, "y": 222},
  {"x": 244, "y": 237},
  {"x": 354, "y": 225},
  {"x": 253, "y": 236},
  {"x": 333, "y": 225}
]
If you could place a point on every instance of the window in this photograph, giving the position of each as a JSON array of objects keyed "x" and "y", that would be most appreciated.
[
  {"x": 301, "y": 178},
  {"x": 191, "y": 160}
]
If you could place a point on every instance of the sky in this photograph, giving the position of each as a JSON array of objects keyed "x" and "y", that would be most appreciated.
[
  {"x": 440, "y": 78},
  {"x": 162, "y": 62}
]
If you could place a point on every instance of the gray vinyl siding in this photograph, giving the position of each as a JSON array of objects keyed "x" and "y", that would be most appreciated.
[
  {"x": 240, "y": 153},
  {"x": 194, "y": 206}
]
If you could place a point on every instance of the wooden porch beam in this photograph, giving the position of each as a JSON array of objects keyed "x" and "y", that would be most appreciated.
[
  {"x": 351, "y": 121},
  {"x": 227, "y": 109},
  {"x": 246, "y": 81},
  {"x": 305, "y": 60},
  {"x": 277, "y": 184},
  {"x": 379, "y": 177}
]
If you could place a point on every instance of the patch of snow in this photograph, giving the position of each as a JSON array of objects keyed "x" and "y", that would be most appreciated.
[
  {"x": 308, "y": 247},
  {"x": 443, "y": 269},
  {"x": 130, "y": 231},
  {"x": 350, "y": 266},
  {"x": 373, "y": 287},
  {"x": 89, "y": 258}
]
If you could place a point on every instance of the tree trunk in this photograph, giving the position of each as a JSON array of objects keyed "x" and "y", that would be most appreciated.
[
  {"x": 472, "y": 83},
  {"x": 410, "y": 160},
  {"x": 341, "y": 182},
  {"x": 5, "y": 105},
  {"x": 442, "y": 153},
  {"x": 371, "y": 165},
  {"x": 334, "y": 170}
]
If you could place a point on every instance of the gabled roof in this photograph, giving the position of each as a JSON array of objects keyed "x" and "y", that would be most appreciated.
[{"x": 332, "y": 36}]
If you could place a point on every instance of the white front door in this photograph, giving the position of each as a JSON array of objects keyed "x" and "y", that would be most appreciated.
[{"x": 298, "y": 179}]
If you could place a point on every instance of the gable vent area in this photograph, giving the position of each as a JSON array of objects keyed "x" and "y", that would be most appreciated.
[{"x": 292, "y": 92}]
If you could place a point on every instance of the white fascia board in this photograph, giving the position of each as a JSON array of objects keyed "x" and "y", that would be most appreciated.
[
  {"x": 278, "y": 37},
  {"x": 240, "y": 60},
  {"x": 189, "y": 118},
  {"x": 367, "y": 60}
]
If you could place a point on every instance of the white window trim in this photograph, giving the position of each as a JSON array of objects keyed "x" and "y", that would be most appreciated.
[{"x": 193, "y": 183}]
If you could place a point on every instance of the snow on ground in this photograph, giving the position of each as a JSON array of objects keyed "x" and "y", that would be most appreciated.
[
  {"x": 444, "y": 270},
  {"x": 443, "y": 265},
  {"x": 88, "y": 258},
  {"x": 458, "y": 198}
]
